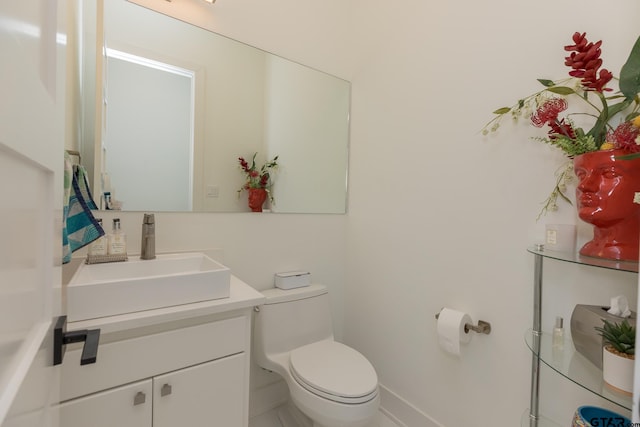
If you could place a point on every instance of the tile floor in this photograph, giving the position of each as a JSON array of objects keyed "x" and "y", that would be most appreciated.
[{"x": 270, "y": 419}]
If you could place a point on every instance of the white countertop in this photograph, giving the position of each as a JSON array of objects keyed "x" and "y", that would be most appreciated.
[{"x": 241, "y": 296}]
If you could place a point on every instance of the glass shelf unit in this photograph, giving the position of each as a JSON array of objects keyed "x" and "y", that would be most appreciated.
[
  {"x": 576, "y": 258},
  {"x": 567, "y": 363},
  {"x": 575, "y": 367},
  {"x": 541, "y": 422}
]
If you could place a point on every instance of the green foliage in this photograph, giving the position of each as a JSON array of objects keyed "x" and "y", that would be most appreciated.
[
  {"x": 573, "y": 147},
  {"x": 502, "y": 110},
  {"x": 563, "y": 176},
  {"x": 630, "y": 73},
  {"x": 561, "y": 90},
  {"x": 546, "y": 83},
  {"x": 620, "y": 335}
]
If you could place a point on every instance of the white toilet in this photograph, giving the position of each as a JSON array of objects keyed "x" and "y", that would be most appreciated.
[{"x": 332, "y": 384}]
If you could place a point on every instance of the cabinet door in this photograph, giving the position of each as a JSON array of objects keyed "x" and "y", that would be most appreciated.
[
  {"x": 126, "y": 406},
  {"x": 209, "y": 394}
]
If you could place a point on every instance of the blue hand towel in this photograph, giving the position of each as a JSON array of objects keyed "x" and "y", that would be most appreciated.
[
  {"x": 79, "y": 225},
  {"x": 83, "y": 184}
]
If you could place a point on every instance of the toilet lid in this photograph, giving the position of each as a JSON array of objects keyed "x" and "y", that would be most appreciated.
[{"x": 334, "y": 371}]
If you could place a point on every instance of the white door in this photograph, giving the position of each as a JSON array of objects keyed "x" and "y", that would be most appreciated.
[{"x": 32, "y": 99}]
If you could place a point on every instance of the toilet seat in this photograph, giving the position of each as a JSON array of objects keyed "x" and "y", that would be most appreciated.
[{"x": 334, "y": 371}]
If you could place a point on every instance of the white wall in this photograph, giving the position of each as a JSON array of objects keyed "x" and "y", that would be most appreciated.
[{"x": 438, "y": 215}]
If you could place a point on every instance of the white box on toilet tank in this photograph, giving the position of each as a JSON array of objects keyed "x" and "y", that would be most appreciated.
[{"x": 292, "y": 279}]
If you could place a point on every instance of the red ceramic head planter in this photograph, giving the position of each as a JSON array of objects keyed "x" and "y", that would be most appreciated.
[
  {"x": 257, "y": 197},
  {"x": 604, "y": 196}
]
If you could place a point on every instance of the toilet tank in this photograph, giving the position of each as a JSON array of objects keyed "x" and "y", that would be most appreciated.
[{"x": 292, "y": 318}]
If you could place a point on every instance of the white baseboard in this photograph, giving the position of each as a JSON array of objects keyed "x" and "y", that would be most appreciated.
[
  {"x": 394, "y": 407},
  {"x": 402, "y": 412}
]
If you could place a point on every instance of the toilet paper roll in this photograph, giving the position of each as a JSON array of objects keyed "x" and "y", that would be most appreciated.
[{"x": 451, "y": 330}]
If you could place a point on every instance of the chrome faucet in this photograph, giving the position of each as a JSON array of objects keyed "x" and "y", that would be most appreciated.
[{"x": 148, "y": 246}]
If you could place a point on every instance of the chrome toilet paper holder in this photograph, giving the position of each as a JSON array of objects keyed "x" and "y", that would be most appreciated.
[{"x": 482, "y": 327}]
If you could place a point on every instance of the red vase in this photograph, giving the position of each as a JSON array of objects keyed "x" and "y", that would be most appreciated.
[
  {"x": 605, "y": 199},
  {"x": 257, "y": 196}
]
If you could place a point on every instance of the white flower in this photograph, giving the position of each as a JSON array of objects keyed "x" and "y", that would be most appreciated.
[{"x": 636, "y": 198}]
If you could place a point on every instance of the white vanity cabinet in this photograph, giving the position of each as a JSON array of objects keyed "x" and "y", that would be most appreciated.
[
  {"x": 201, "y": 395},
  {"x": 184, "y": 366},
  {"x": 126, "y": 406}
]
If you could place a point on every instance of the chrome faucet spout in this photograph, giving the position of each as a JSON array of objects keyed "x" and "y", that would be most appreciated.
[{"x": 148, "y": 245}]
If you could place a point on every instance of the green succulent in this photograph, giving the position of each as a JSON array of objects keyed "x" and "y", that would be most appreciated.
[{"x": 620, "y": 335}]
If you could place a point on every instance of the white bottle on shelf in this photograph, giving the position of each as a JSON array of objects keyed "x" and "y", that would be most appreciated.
[{"x": 558, "y": 334}]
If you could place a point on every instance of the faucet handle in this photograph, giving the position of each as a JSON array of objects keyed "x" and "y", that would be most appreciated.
[{"x": 148, "y": 244}]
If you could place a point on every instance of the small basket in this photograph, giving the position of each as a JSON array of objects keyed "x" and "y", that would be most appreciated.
[{"x": 99, "y": 259}]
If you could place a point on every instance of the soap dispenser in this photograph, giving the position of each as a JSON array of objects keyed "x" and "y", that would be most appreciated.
[
  {"x": 117, "y": 240},
  {"x": 99, "y": 246}
]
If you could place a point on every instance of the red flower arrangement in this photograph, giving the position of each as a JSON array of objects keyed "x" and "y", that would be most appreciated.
[
  {"x": 585, "y": 62},
  {"x": 257, "y": 178},
  {"x": 617, "y": 116}
]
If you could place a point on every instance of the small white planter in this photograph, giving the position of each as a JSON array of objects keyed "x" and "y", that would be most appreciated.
[{"x": 617, "y": 371}]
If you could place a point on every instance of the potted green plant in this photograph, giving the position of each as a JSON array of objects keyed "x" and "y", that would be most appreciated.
[{"x": 618, "y": 354}]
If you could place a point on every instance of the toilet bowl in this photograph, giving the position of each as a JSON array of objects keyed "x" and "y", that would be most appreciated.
[{"x": 332, "y": 384}]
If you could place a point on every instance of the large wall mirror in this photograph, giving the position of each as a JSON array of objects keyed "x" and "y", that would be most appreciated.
[{"x": 182, "y": 103}]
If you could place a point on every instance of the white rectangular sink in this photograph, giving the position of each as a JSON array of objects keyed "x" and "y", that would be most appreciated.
[{"x": 99, "y": 290}]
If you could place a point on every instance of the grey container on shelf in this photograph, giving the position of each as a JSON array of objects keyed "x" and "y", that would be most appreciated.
[{"x": 585, "y": 338}]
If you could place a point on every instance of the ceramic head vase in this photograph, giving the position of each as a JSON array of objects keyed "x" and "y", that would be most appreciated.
[
  {"x": 605, "y": 198},
  {"x": 257, "y": 197}
]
